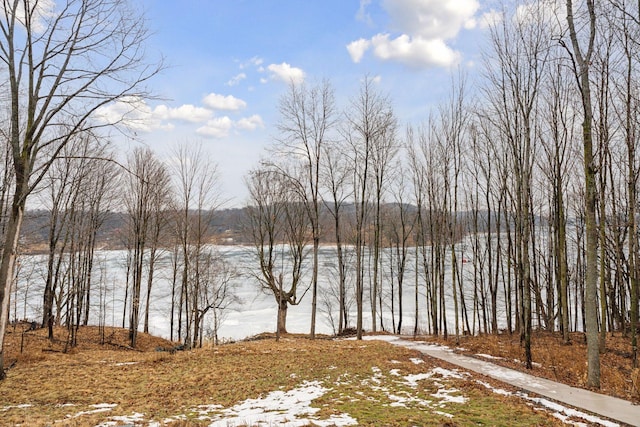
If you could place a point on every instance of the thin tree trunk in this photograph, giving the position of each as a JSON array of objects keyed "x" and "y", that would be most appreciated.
[{"x": 7, "y": 264}]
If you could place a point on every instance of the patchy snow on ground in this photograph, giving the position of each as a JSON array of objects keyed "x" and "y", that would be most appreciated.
[
  {"x": 412, "y": 379},
  {"x": 23, "y": 406},
  {"x": 125, "y": 419},
  {"x": 444, "y": 414},
  {"x": 488, "y": 356},
  {"x": 291, "y": 408},
  {"x": 100, "y": 407},
  {"x": 559, "y": 411},
  {"x": 438, "y": 376},
  {"x": 406, "y": 400},
  {"x": 447, "y": 396}
]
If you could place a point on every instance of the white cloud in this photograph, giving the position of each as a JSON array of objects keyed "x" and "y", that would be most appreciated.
[
  {"x": 250, "y": 123},
  {"x": 256, "y": 61},
  {"x": 187, "y": 113},
  {"x": 131, "y": 111},
  {"x": 489, "y": 19},
  {"x": 470, "y": 24},
  {"x": 221, "y": 102},
  {"x": 286, "y": 73},
  {"x": 362, "y": 14},
  {"x": 235, "y": 80},
  {"x": 430, "y": 19},
  {"x": 218, "y": 127},
  {"x": 357, "y": 49},
  {"x": 136, "y": 114},
  {"x": 423, "y": 28},
  {"x": 416, "y": 52}
]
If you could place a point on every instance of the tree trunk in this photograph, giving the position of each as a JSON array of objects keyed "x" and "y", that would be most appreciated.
[
  {"x": 152, "y": 261},
  {"x": 314, "y": 296},
  {"x": 590, "y": 192},
  {"x": 7, "y": 263},
  {"x": 283, "y": 305}
]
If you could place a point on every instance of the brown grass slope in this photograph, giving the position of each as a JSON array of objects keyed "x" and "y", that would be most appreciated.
[{"x": 61, "y": 387}]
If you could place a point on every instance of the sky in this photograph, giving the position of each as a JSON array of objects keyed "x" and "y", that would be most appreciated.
[{"x": 228, "y": 62}]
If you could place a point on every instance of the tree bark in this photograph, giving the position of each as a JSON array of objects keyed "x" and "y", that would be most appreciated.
[
  {"x": 7, "y": 263},
  {"x": 583, "y": 63}
]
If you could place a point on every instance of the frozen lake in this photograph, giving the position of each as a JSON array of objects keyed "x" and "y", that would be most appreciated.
[{"x": 254, "y": 311}]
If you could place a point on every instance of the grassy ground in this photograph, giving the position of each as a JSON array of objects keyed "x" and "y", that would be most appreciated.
[
  {"x": 373, "y": 382},
  {"x": 559, "y": 362}
]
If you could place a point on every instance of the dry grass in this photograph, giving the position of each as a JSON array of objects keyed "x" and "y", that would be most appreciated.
[
  {"x": 60, "y": 385},
  {"x": 22, "y": 344},
  {"x": 559, "y": 362}
]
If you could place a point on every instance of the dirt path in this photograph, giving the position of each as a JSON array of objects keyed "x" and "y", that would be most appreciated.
[{"x": 606, "y": 406}]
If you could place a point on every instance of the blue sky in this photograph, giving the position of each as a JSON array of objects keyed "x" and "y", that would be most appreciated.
[{"x": 229, "y": 61}]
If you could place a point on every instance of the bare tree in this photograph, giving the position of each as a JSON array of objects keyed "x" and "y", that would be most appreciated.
[
  {"x": 520, "y": 49},
  {"x": 335, "y": 177},
  {"x": 77, "y": 192},
  {"x": 369, "y": 123},
  {"x": 626, "y": 20},
  {"x": 307, "y": 116},
  {"x": 556, "y": 144},
  {"x": 419, "y": 237},
  {"x": 399, "y": 228},
  {"x": 581, "y": 52},
  {"x": 63, "y": 61},
  {"x": 197, "y": 199},
  {"x": 277, "y": 221},
  {"x": 383, "y": 151},
  {"x": 217, "y": 291},
  {"x": 144, "y": 196}
]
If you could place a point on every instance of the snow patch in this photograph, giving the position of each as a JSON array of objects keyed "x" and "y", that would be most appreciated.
[
  {"x": 126, "y": 419},
  {"x": 488, "y": 356},
  {"x": 446, "y": 396},
  {"x": 23, "y": 406},
  {"x": 444, "y": 414},
  {"x": 448, "y": 373},
  {"x": 292, "y": 408},
  {"x": 559, "y": 411},
  {"x": 100, "y": 407},
  {"x": 412, "y": 379},
  {"x": 569, "y": 412},
  {"x": 404, "y": 400},
  {"x": 501, "y": 391}
]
